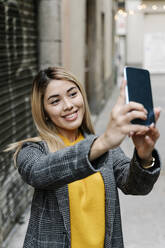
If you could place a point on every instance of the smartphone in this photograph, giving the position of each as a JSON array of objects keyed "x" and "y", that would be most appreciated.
[{"x": 138, "y": 89}]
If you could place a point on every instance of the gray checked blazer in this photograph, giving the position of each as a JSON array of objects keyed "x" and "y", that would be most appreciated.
[{"x": 49, "y": 174}]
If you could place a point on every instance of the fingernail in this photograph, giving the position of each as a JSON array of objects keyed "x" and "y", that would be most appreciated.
[
  {"x": 146, "y": 111},
  {"x": 160, "y": 109},
  {"x": 152, "y": 124},
  {"x": 131, "y": 133}
]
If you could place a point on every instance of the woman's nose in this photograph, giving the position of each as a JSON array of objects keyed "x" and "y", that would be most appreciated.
[{"x": 67, "y": 104}]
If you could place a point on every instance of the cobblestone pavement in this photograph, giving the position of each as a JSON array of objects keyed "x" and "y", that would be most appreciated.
[{"x": 143, "y": 217}]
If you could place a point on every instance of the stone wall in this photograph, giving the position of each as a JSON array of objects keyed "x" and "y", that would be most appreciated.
[{"x": 49, "y": 29}]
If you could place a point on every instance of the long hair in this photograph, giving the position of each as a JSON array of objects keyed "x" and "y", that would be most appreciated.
[{"x": 47, "y": 130}]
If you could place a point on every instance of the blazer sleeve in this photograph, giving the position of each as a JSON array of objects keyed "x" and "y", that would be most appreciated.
[
  {"x": 53, "y": 170},
  {"x": 131, "y": 177}
]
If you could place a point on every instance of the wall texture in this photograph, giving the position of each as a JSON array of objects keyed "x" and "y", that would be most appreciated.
[
  {"x": 18, "y": 65},
  {"x": 87, "y": 43},
  {"x": 73, "y": 36},
  {"x": 49, "y": 30}
]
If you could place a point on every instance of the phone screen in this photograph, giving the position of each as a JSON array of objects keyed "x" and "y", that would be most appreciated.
[{"x": 138, "y": 89}]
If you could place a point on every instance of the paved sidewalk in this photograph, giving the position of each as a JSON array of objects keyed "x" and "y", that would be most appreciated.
[{"x": 142, "y": 217}]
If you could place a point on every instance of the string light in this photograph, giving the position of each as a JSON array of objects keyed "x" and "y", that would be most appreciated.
[
  {"x": 144, "y": 6},
  {"x": 125, "y": 14},
  {"x": 140, "y": 8},
  {"x": 116, "y": 17},
  {"x": 120, "y": 12},
  {"x": 154, "y": 7},
  {"x": 131, "y": 12}
]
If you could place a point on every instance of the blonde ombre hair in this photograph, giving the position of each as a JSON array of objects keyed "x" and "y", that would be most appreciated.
[{"x": 47, "y": 130}]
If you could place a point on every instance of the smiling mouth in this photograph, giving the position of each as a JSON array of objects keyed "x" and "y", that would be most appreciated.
[{"x": 72, "y": 116}]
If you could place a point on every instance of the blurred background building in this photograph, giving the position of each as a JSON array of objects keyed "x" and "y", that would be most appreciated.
[
  {"x": 140, "y": 35},
  {"x": 94, "y": 39},
  {"x": 80, "y": 35}
]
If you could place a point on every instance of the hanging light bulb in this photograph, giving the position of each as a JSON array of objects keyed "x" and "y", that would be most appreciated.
[
  {"x": 140, "y": 7},
  {"x": 125, "y": 14},
  {"x": 154, "y": 7},
  {"x": 120, "y": 12},
  {"x": 131, "y": 12},
  {"x": 144, "y": 6},
  {"x": 116, "y": 17}
]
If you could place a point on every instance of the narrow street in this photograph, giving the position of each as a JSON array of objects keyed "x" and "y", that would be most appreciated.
[{"x": 143, "y": 216}]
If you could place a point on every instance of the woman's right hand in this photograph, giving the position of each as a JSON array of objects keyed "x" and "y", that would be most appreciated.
[{"x": 120, "y": 125}]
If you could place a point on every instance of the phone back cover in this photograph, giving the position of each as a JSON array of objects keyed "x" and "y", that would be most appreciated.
[{"x": 139, "y": 90}]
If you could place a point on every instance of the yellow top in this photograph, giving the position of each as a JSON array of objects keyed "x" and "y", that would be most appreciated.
[{"x": 87, "y": 209}]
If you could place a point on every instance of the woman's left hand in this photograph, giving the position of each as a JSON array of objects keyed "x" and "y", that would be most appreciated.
[{"x": 145, "y": 142}]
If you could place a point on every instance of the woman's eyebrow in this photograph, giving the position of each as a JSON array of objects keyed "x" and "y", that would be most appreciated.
[
  {"x": 56, "y": 95},
  {"x": 52, "y": 96},
  {"x": 74, "y": 87}
]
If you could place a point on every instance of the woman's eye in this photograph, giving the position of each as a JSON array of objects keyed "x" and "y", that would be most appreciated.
[
  {"x": 55, "y": 101},
  {"x": 73, "y": 94}
]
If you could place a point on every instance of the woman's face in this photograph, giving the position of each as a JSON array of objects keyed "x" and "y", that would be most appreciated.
[{"x": 64, "y": 105}]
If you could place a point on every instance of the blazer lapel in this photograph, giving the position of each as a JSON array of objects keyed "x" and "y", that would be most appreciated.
[
  {"x": 62, "y": 195},
  {"x": 109, "y": 200},
  {"x": 63, "y": 203}
]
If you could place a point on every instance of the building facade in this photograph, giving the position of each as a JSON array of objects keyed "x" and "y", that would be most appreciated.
[
  {"x": 146, "y": 34},
  {"x": 140, "y": 36},
  {"x": 80, "y": 34}
]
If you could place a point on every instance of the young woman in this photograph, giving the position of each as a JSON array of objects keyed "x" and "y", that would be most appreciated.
[{"x": 75, "y": 173}]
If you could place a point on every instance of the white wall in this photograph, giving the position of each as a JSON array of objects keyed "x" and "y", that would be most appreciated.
[
  {"x": 139, "y": 25},
  {"x": 134, "y": 42},
  {"x": 108, "y": 38},
  {"x": 49, "y": 26},
  {"x": 154, "y": 38}
]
